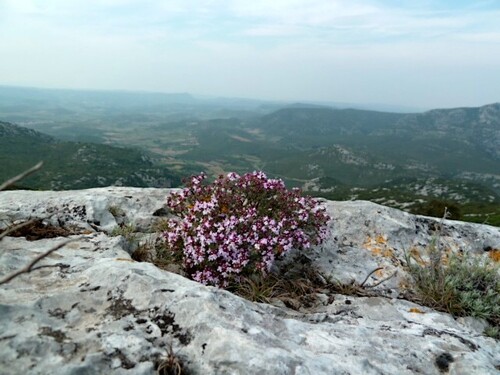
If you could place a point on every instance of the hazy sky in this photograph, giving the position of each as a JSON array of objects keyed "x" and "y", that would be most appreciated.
[{"x": 419, "y": 53}]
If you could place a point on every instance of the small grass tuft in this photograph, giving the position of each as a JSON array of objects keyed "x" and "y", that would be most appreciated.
[
  {"x": 171, "y": 364},
  {"x": 143, "y": 252},
  {"x": 116, "y": 211},
  {"x": 256, "y": 288},
  {"x": 160, "y": 226},
  {"x": 493, "y": 332},
  {"x": 125, "y": 230}
]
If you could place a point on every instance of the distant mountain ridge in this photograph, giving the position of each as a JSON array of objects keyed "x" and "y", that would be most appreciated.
[
  {"x": 480, "y": 124},
  {"x": 472, "y": 135},
  {"x": 316, "y": 120}
]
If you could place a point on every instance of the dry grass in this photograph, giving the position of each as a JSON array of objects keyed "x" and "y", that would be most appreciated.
[
  {"x": 37, "y": 229},
  {"x": 296, "y": 284},
  {"x": 143, "y": 253},
  {"x": 171, "y": 364},
  {"x": 126, "y": 230}
]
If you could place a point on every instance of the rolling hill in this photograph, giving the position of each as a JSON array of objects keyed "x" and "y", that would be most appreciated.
[{"x": 70, "y": 165}]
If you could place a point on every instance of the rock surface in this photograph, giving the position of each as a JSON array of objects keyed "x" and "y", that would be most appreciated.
[
  {"x": 91, "y": 309},
  {"x": 365, "y": 236}
]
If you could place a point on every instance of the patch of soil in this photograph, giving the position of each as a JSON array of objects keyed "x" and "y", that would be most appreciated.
[{"x": 37, "y": 230}]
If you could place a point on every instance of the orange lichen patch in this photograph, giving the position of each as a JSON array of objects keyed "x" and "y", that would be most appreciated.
[
  {"x": 494, "y": 254},
  {"x": 384, "y": 252},
  {"x": 378, "y": 246},
  {"x": 378, "y": 240},
  {"x": 416, "y": 310},
  {"x": 125, "y": 259}
]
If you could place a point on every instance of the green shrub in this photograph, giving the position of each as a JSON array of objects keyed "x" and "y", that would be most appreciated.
[{"x": 459, "y": 284}]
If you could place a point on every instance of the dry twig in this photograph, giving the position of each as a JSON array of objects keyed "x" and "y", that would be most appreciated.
[
  {"x": 382, "y": 281},
  {"x": 367, "y": 277},
  {"x": 26, "y": 173},
  {"x": 29, "y": 267}
]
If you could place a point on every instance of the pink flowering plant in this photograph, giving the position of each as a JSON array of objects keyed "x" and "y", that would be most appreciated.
[{"x": 239, "y": 225}]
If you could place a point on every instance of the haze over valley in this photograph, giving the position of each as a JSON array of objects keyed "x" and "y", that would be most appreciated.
[{"x": 405, "y": 160}]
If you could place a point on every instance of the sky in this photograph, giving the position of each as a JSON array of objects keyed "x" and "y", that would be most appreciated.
[{"x": 420, "y": 54}]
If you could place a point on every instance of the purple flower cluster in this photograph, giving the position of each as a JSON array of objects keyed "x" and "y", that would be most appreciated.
[{"x": 239, "y": 225}]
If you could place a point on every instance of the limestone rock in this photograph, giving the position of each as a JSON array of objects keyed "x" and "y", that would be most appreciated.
[
  {"x": 364, "y": 236},
  {"x": 91, "y": 309},
  {"x": 91, "y": 209}
]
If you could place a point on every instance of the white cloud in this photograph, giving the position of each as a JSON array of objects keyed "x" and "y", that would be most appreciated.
[
  {"x": 293, "y": 49},
  {"x": 273, "y": 30},
  {"x": 490, "y": 38},
  {"x": 359, "y": 20}
]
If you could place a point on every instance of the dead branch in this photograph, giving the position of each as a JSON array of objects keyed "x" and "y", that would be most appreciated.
[
  {"x": 29, "y": 267},
  {"x": 26, "y": 173},
  {"x": 367, "y": 277},
  {"x": 383, "y": 280}
]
